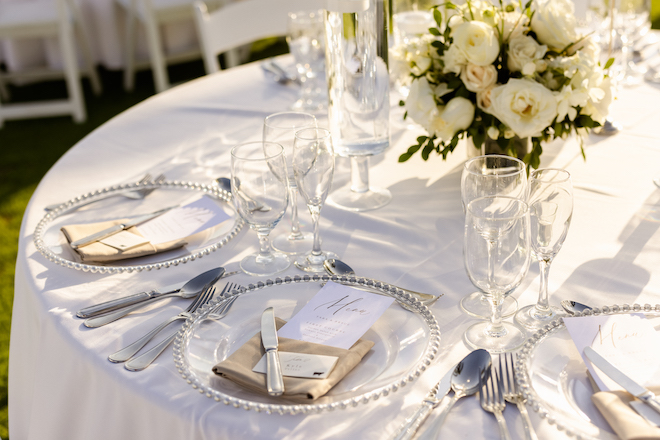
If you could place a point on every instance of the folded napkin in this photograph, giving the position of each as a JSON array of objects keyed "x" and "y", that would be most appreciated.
[
  {"x": 99, "y": 252},
  {"x": 238, "y": 366},
  {"x": 624, "y": 420}
]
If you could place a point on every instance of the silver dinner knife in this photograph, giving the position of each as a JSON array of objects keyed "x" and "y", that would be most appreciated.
[
  {"x": 619, "y": 377},
  {"x": 117, "y": 228},
  {"x": 435, "y": 396},
  {"x": 274, "y": 380}
]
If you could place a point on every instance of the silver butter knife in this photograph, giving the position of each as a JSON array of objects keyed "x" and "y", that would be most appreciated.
[
  {"x": 619, "y": 377},
  {"x": 117, "y": 228},
  {"x": 274, "y": 380},
  {"x": 435, "y": 396}
]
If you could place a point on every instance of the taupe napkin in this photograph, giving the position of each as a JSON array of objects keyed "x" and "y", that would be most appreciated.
[
  {"x": 102, "y": 253},
  {"x": 238, "y": 366},
  {"x": 624, "y": 420}
]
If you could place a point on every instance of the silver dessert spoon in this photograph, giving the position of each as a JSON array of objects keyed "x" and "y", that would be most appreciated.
[{"x": 573, "y": 307}]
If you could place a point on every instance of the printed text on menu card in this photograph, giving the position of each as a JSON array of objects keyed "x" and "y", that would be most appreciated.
[{"x": 337, "y": 316}]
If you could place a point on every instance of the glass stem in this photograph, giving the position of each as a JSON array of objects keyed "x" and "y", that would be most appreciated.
[
  {"x": 265, "y": 255},
  {"x": 542, "y": 305},
  {"x": 359, "y": 174},
  {"x": 495, "y": 328},
  {"x": 295, "y": 223},
  {"x": 315, "y": 211}
]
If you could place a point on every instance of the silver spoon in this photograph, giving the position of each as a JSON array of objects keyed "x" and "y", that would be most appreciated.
[
  {"x": 337, "y": 267},
  {"x": 465, "y": 381},
  {"x": 252, "y": 205},
  {"x": 573, "y": 307}
]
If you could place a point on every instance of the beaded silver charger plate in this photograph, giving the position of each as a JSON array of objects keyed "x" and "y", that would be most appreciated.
[
  {"x": 405, "y": 344},
  {"x": 51, "y": 243},
  {"x": 553, "y": 376}
]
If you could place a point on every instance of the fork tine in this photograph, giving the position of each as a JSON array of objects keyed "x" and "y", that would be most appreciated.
[
  {"x": 145, "y": 179},
  {"x": 206, "y": 297},
  {"x": 193, "y": 306},
  {"x": 160, "y": 178}
]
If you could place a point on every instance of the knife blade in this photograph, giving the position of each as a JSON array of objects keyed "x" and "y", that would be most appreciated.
[
  {"x": 432, "y": 400},
  {"x": 274, "y": 380},
  {"x": 622, "y": 379},
  {"x": 117, "y": 228}
]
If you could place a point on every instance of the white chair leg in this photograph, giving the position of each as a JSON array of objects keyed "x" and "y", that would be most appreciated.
[
  {"x": 72, "y": 74},
  {"x": 129, "y": 62},
  {"x": 157, "y": 58},
  {"x": 83, "y": 33}
]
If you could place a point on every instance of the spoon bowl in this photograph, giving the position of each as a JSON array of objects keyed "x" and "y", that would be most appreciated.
[
  {"x": 574, "y": 307},
  {"x": 225, "y": 184}
]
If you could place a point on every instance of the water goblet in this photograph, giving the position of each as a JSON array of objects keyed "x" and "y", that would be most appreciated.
[
  {"x": 313, "y": 167},
  {"x": 497, "y": 255},
  {"x": 306, "y": 39},
  {"x": 491, "y": 175},
  {"x": 550, "y": 211},
  {"x": 259, "y": 178},
  {"x": 281, "y": 128}
]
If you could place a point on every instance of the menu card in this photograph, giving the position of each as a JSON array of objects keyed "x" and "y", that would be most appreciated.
[
  {"x": 337, "y": 315},
  {"x": 183, "y": 221},
  {"x": 629, "y": 342}
]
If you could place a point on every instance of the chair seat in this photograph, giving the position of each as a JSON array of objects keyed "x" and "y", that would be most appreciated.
[{"x": 28, "y": 17}]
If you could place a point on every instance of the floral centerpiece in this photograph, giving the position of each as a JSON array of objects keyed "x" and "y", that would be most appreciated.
[{"x": 502, "y": 72}]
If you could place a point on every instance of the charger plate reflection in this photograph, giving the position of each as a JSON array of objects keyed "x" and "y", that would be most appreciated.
[
  {"x": 405, "y": 344},
  {"x": 553, "y": 377}
]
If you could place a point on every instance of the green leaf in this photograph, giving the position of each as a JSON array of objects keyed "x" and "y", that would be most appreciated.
[
  {"x": 427, "y": 150},
  {"x": 437, "y": 16},
  {"x": 402, "y": 103},
  {"x": 608, "y": 64},
  {"x": 434, "y": 31}
]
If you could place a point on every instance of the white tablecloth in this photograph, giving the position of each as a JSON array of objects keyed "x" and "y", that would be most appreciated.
[{"x": 62, "y": 386}]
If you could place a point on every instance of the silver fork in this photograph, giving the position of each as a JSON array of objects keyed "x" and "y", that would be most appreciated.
[
  {"x": 144, "y": 192},
  {"x": 221, "y": 310},
  {"x": 128, "y": 352},
  {"x": 492, "y": 400},
  {"x": 513, "y": 395}
]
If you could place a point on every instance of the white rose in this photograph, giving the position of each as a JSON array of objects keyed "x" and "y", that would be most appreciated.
[
  {"x": 493, "y": 133},
  {"x": 483, "y": 99},
  {"x": 524, "y": 106},
  {"x": 523, "y": 52},
  {"x": 478, "y": 78},
  {"x": 418, "y": 56},
  {"x": 455, "y": 116},
  {"x": 420, "y": 104},
  {"x": 554, "y": 23},
  {"x": 454, "y": 60},
  {"x": 478, "y": 41},
  {"x": 598, "y": 110}
]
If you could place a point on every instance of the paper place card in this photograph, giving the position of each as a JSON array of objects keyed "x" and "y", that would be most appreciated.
[
  {"x": 124, "y": 240},
  {"x": 337, "y": 315},
  {"x": 311, "y": 366},
  {"x": 184, "y": 221},
  {"x": 626, "y": 341}
]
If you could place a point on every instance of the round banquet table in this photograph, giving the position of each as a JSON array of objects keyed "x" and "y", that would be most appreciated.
[{"x": 61, "y": 385}]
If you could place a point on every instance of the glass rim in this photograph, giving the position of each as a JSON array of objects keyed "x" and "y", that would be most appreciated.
[
  {"x": 496, "y": 156},
  {"x": 559, "y": 171},
  {"x": 521, "y": 213},
  {"x": 318, "y": 130},
  {"x": 252, "y": 159},
  {"x": 268, "y": 120}
]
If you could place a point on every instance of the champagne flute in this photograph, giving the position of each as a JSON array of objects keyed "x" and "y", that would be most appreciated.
[
  {"x": 497, "y": 254},
  {"x": 313, "y": 167},
  {"x": 491, "y": 175},
  {"x": 551, "y": 209},
  {"x": 259, "y": 178},
  {"x": 281, "y": 128}
]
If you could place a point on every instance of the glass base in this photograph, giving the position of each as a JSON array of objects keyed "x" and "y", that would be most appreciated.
[
  {"x": 285, "y": 243},
  {"x": 532, "y": 319},
  {"x": 369, "y": 200},
  {"x": 308, "y": 263},
  {"x": 277, "y": 264},
  {"x": 476, "y": 304},
  {"x": 477, "y": 336}
]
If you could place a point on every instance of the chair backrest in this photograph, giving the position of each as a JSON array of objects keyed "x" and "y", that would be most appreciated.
[{"x": 242, "y": 22}]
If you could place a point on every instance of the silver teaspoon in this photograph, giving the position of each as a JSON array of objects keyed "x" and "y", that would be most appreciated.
[
  {"x": 465, "y": 382},
  {"x": 252, "y": 205},
  {"x": 573, "y": 307},
  {"x": 337, "y": 267}
]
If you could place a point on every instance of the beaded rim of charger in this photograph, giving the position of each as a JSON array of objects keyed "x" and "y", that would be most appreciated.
[
  {"x": 521, "y": 367},
  {"x": 66, "y": 207},
  {"x": 430, "y": 352}
]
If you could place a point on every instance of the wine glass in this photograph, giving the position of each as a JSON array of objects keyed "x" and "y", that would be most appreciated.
[
  {"x": 260, "y": 193},
  {"x": 550, "y": 210},
  {"x": 313, "y": 167},
  {"x": 281, "y": 128},
  {"x": 497, "y": 254},
  {"x": 491, "y": 175}
]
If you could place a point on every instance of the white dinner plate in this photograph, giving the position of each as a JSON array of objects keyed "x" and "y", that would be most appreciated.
[
  {"x": 553, "y": 377},
  {"x": 50, "y": 241},
  {"x": 404, "y": 345}
]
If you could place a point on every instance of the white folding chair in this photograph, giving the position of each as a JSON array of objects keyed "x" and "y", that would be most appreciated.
[
  {"x": 242, "y": 22},
  {"x": 47, "y": 18},
  {"x": 153, "y": 14}
]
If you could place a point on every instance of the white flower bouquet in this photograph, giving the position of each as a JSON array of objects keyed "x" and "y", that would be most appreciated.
[{"x": 502, "y": 72}]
